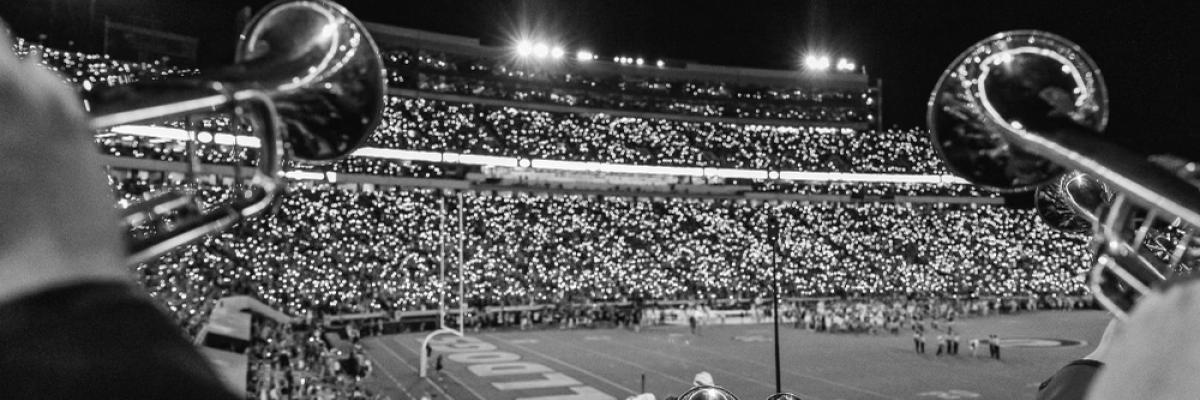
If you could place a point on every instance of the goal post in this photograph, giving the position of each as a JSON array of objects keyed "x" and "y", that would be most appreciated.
[{"x": 462, "y": 311}]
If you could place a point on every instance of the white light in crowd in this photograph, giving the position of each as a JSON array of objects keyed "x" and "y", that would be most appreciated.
[
  {"x": 816, "y": 63},
  {"x": 584, "y": 55},
  {"x": 524, "y": 48},
  {"x": 541, "y": 50},
  {"x": 304, "y": 175},
  {"x": 224, "y": 139},
  {"x": 660, "y": 63},
  {"x": 640, "y": 61},
  {"x": 558, "y": 52}
]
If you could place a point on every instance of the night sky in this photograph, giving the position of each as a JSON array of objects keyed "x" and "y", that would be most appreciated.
[{"x": 1146, "y": 49}]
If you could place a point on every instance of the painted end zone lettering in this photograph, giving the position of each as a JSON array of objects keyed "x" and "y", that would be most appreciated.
[
  {"x": 553, "y": 379},
  {"x": 454, "y": 344},
  {"x": 483, "y": 361},
  {"x": 484, "y": 357},
  {"x": 512, "y": 368}
]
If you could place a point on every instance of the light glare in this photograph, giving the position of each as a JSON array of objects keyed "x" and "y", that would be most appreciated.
[
  {"x": 541, "y": 50},
  {"x": 524, "y": 48}
]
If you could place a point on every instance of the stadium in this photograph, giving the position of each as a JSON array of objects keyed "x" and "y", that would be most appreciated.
[{"x": 529, "y": 218}]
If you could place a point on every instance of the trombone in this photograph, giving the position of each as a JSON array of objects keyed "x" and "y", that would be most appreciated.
[
  {"x": 1021, "y": 108},
  {"x": 311, "y": 84}
]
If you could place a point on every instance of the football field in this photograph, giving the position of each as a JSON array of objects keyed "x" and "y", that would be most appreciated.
[{"x": 615, "y": 363}]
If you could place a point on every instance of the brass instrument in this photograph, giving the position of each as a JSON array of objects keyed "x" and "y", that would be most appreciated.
[
  {"x": 311, "y": 83},
  {"x": 1071, "y": 203},
  {"x": 1019, "y": 109},
  {"x": 707, "y": 393},
  {"x": 720, "y": 393}
]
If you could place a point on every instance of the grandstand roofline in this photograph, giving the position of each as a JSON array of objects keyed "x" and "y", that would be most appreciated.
[{"x": 395, "y": 35}]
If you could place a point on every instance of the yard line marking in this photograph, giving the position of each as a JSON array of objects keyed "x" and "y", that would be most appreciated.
[
  {"x": 392, "y": 378},
  {"x": 568, "y": 365},
  {"x": 620, "y": 360},
  {"x": 709, "y": 367},
  {"x": 414, "y": 369},
  {"x": 410, "y": 366},
  {"x": 800, "y": 375},
  {"x": 396, "y": 339}
]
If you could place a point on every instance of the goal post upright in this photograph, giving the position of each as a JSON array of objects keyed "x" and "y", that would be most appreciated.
[{"x": 442, "y": 328}]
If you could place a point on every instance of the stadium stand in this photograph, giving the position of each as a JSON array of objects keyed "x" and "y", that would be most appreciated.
[{"x": 580, "y": 260}]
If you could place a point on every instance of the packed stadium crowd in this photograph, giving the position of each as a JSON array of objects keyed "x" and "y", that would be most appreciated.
[
  {"x": 423, "y": 124},
  {"x": 86, "y": 70},
  {"x": 340, "y": 250},
  {"x": 293, "y": 362},
  {"x": 332, "y": 250},
  {"x": 495, "y": 78}
]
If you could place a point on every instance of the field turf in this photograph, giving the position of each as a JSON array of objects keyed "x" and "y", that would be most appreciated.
[{"x": 610, "y": 363}]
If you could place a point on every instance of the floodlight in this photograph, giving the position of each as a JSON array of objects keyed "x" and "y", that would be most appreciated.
[
  {"x": 845, "y": 65},
  {"x": 557, "y": 52},
  {"x": 660, "y": 63},
  {"x": 584, "y": 55},
  {"x": 524, "y": 48},
  {"x": 816, "y": 63},
  {"x": 640, "y": 61},
  {"x": 541, "y": 50}
]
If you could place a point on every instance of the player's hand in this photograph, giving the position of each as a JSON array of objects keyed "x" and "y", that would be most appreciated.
[
  {"x": 1157, "y": 354},
  {"x": 57, "y": 221}
]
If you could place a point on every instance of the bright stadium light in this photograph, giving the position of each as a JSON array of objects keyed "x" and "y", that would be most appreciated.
[
  {"x": 640, "y": 61},
  {"x": 204, "y": 137},
  {"x": 557, "y": 52},
  {"x": 541, "y": 50},
  {"x": 584, "y": 55},
  {"x": 816, "y": 63},
  {"x": 660, "y": 63},
  {"x": 524, "y": 48},
  {"x": 846, "y": 65}
]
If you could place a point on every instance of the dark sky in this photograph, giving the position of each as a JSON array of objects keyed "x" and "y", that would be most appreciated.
[{"x": 1141, "y": 46}]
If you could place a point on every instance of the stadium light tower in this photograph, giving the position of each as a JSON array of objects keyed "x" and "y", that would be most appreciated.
[{"x": 585, "y": 55}]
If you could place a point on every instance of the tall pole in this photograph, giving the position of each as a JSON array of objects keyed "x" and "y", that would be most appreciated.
[
  {"x": 462, "y": 264},
  {"x": 775, "y": 300},
  {"x": 442, "y": 265},
  {"x": 879, "y": 107}
]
